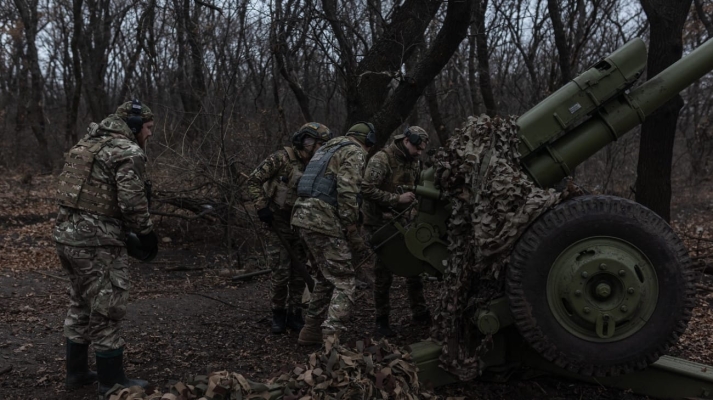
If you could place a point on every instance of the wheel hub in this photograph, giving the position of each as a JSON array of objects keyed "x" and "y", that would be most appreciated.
[{"x": 602, "y": 289}]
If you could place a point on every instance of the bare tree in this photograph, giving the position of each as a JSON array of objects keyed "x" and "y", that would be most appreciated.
[
  {"x": 653, "y": 183},
  {"x": 30, "y": 21}
]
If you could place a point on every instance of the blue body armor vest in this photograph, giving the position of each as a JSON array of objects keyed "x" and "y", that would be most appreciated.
[{"x": 313, "y": 183}]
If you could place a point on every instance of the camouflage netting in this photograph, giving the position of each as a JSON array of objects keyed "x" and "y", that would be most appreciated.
[
  {"x": 493, "y": 202},
  {"x": 369, "y": 371}
]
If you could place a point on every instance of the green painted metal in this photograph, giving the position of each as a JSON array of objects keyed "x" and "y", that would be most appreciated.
[
  {"x": 553, "y": 160},
  {"x": 667, "y": 378},
  {"x": 578, "y": 99},
  {"x": 602, "y": 289},
  {"x": 421, "y": 246}
]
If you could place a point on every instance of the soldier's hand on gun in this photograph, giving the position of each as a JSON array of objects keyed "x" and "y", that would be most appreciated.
[{"x": 407, "y": 198}]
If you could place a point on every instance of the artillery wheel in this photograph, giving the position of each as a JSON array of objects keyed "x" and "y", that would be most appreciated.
[{"x": 600, "y": 285}]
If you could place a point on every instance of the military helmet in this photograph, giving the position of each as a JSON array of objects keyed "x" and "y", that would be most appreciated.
[
  {"x": 415, "y": 134},
  {"x": 135, "y": 114},
  {"x": 364, "y": 132},
  {"x": 315, "y": 130}
]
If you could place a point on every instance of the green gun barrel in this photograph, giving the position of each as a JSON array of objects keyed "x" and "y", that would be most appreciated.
[{"x": 576, "y": 141}]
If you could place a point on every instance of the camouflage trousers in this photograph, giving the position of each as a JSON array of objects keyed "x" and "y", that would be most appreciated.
[
  {"x": 333, "y": 295},
  {"x": 287, "y": 284},
  {"x": 383, "y": 278},
  {"x": 99, "y": 291}
]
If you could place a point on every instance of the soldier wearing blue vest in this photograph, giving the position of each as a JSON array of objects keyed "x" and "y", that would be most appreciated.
[
  {"x": 273, "y": 188},
  {"x": 326, "y": 214}
]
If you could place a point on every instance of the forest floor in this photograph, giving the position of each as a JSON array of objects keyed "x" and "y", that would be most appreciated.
[{"x": 186, "y": 318}]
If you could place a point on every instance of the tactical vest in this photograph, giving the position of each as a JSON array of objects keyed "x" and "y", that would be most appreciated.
[
  {"x": 313, "y": 183},
  {"x": 282, "y": 189},
  {"x": 76, "y": 188}
]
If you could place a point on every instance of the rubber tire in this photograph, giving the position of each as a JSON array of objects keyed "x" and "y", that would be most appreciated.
[{"x": 577, "y": 219}]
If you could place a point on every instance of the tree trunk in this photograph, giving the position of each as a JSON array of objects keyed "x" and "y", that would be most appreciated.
[
  {"x": 435, "y": 111},
  {"x": 705, "y": 19},
  {"x": 399, "y": 105},
  {"x": 36, "y": 115},
  {"x": 481, "y": 41},
  {"x": 93, "y": 45},
  {"x": 72, "y": 133},
  {"x": 653, "y": 183},
  {"x": 472, "y": 69},
  {"x": 565, "y": 55}
]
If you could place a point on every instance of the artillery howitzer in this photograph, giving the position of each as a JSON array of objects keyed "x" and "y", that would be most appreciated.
[{"x": 598, "y": 287}]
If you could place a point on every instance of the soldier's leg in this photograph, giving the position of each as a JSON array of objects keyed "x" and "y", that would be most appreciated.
[
  {"x": 279, "y": 262},
  {"x": 311, "y": 333},
  {"x": 107, "y": 291},
  {"x": 417, "y": 301},
  {"x": 73, "y": 262},
  {"x": 323, "y": 288},
  {"x": 295, "y": 283},
  {"x": 77, "y": 352},
  {"x": 335, "y": 262},
  {"x": 383, "y": 278}
]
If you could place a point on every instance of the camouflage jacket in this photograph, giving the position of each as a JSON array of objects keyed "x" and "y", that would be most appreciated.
[
  {"x": 121, "y": 164},
  {"x": 347, "y": 165},
  {"x": 274, "y": 181},
  {"x": 387, "y": 169}
]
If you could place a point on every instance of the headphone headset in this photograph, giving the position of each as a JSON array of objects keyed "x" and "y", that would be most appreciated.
[
  {"x": 371, "y": 136},
  {"x": 413, "y": 138},
  {"x": 299, "y": 136},
  {"x": 134, "y": 119},
  {"x": 297, "y": 140}
]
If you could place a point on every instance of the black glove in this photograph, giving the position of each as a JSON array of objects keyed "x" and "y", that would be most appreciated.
[
  {"x": 149, "y": 241},
  {"x": 265, "y": 215}
]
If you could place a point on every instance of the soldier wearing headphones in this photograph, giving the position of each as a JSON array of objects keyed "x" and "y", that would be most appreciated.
[
  {"x": 102, "y": 196},
  {"x": 395, "y": 165},
  {"x": 326, "y": 213},
  {"x": 273, "y": 188}
]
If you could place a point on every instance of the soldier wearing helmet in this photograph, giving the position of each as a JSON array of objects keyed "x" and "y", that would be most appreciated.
[
  {"x": 397, "y": 165},
  {"x": 273, "y": 188},
  {"x": 102, "y": 196},
  {"x": 326, "y": 213}
]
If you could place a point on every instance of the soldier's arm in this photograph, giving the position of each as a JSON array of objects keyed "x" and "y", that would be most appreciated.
[
  {"x": 349, "y": 178},
  {"x": 267, "y": 169},
  {"x": 377, "y": 171},
  {"x": 130, "y": 191}
]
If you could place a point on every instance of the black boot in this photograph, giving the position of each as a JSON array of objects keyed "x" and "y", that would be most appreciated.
[
  {"x": 78, "y": 373},
  {"x": 294, "y": 319},
  {"x": 110, "y": 371},
  {"x": 279, "y": 317},
  {"x": 382, "y": 327}
]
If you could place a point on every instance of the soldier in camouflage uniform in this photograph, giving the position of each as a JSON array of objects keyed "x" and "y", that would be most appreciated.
[
  {"x": 101, "y": 195},
  {"x": 273, "y": 188},
  {"x": 395, "y": 165},
  {"x": 326, "y": 214}
]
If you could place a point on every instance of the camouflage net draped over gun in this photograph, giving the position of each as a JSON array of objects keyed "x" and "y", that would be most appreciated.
[
  {"x": 368, "y": 371},
  {"x": 493, "y": 202}
]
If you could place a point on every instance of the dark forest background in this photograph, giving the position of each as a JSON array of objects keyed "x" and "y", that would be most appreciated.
[{"x": 229, "y": 81}]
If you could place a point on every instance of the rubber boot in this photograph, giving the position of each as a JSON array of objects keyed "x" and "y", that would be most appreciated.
[
  {"x": 382, "y": 327},
  {"x": 311, "y": 333},
  {"x": 78, "y": 373},
  {"x": 279, "y": 315},
  {"x": 423, "y": 319},
  {"x": 110, "y": 371},
  {"x": 294, "y": 319}
]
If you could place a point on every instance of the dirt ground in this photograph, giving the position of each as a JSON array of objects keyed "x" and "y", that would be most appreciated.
[{"x": 185, "y": 319}]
